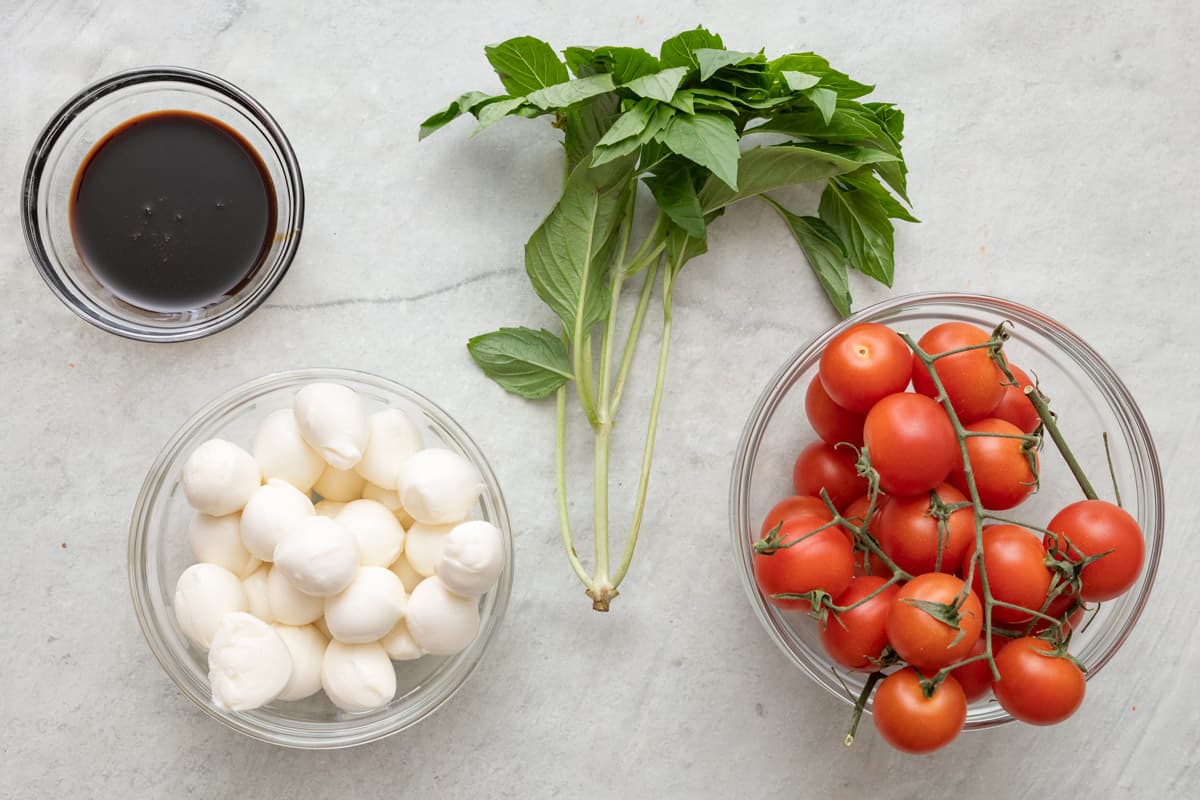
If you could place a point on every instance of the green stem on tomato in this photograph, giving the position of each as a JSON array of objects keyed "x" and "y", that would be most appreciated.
[
  {"x": 1051, "y": 425},
  {"x": 861, "y": 703}
]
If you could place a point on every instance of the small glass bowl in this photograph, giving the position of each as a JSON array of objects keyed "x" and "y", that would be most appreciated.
[
  {"x": 87, "y": 118},
  {"x": 159, "y": 551},
  {"x": 1089, "y": 398}
]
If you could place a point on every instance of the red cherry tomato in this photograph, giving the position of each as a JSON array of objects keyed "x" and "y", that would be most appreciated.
[
  {"x": 832, "y": 423},
  {"x": 863, "y": 364},
  {"x": 910, "y": 721},
  {"x": 921, "y": 639},
  {"x": 795, "y": 506},
  {"x": 823, "y": 466},
  {"x": 1001, "y": 467},
  {"x": 1066, "y": 607},
  {"x": 804, "y": 561},
  {"x": 866, "y": 562},
  {"x": 1035, "y": 687},
  {"x": 856, "y": 638},
  {"x": 1015, "y": 406},
  {"x": 976, "y": 678},
  {"x": 973, "y": 382},
  {"x": 911, "y": 443},
  {"x": 1097, "y": 526},
  {"x": 912, "y": 536},
  {"x": 1016, "y": 568}
]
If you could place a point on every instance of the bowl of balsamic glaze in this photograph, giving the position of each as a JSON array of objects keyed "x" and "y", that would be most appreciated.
[{"x": 162, "y": 204}]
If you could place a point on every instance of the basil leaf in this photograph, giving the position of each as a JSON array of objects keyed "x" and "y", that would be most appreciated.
[
  {"x": 631, "y": 123},
  {"x": 710, "y": 60},
  {"x": 496, "y": 110},
  {"x": 890, "y": 117},
  {"x": 526, "y": 64},
  {"x": 799, "y": 81},
  {"x": 863, "y": 180},
  {"x": 460, "y": 106},
  {"x": 896, "y": 175},
  {"x": 585, "y": 124},
  {"x": 582, "y": 61},
  {"x": 708, "y": 103},
  {"x": 762, "y": 169},
  {"x": 861, "y": 222},
  {"x": 658, "y": 85},
  {"x": 814, "y": 64},
  {"x": 846, "y": 125},
  {"x": 527, "y": 362},
  {"x": 569, "y": 93},
  {"x": 673, "y": 190},
  {"x": 659, "y": 117},
  {"x": 682, "y": 248},
  {"x": 824, "y": 99},
  {"x": 627, "y": 63},
  {"x": 825, "y": 253},
  {"x": 679, "y": 51},
  {"x": 683, "y": 101},
  {"x": 710, "y": 140}
]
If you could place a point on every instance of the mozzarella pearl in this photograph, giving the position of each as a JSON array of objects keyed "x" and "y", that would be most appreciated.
[
  {"x": 281, "y": 451},
  {"x": 204, "y": 594},
  {"x": 390, "y": 499},
  {"x": 339, "y": 485},
  {"x": 472, "y": 558},
  {"x": 391, "y": 440},
  {"x": 400, "y": 645},
  {"x": 218, "y": 540},
  {"x": 358, "y": 677},
  {"x": 318, "y": 556},
  {"x": 333, "y": 422},
  {"x": 273, "y": 511},
  {"x": 378, "y": 533},
  {"x": 248, "y": 664},
  {"x": 258, "y": 600},
  {"x": 405, "y": 572},
  {"x": 441, "y": 622},
  {"x": 367, "y": 609},
  {"x": 328, "y": 508},
  {"x": 219, "y": 477},
  {"x": 438, "y": 486},
  {"x": 424, "y": 545},
  {"x": 306, "y": 645},
  {"x": 288, "y": 604}
]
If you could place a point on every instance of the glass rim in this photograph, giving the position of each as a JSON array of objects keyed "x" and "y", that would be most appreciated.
[{"x": 49, "y": 267}]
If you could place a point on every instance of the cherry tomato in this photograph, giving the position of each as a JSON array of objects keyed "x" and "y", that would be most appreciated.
[
  {"x": 1000, "y": 465},
  {"x": 856, "y": 638},
  {"x": 866, "y": 562},
  {"x": 1035, "y": 687},
  {"x": 911, "y": 443},
  {"x": 1016, "y": 569},
  {"x": 1015, "y": 406},
  {"x": 795, "y": 506},
  {"x": 973, "y": 382},
  {"x": 912, "y": 536},
  {"x": 863, "y": 364},
  {"x": 803, "y": 562},
  {"x": 910, "y": 721},
  {"x": 832, "y": 423},
  {"x": 1065, "y": 606},
  {"x": 921, "y": 639},
  {"x": 823, "y": 466},
  {"x": 1093, "y": 527},
  {"x": 976, "y": 678}
]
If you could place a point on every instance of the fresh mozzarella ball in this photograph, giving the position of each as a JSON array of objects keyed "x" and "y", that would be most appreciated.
[
  {"x": 273, "y": 511},
  {"x": 339, "y": 485},
  {"x": 379, "y": 534},
  {"x": 322, "y": 627},
  {"x": 333, "y": 422},
  {"x": 306, "y": 645},
  {"x": 328, "y": 508},
  {"x": 288, "y": 604},
  {"x": 248, "y": 665},
  {"x": 368, "y": 608},
  {"x": 390, "y": 499},
  {"x": 358, "y": 677},
  {"x": 319, "y": 556},
  {"x": 438, "y": 485},
  {"x": 440, "y": 621},
  {"x": 204, "y": 594},
  {"x": 281, "y": 451},
  {"x": 393, "y": 438},
  {"x": 400, "y": 645},
  {"x": 472, "y": 559},
  {"x": 405, "y": 572},
  {"x": 219, "y": 477},
  {"x": 424, "y": 545},
  {"x": 218, "y": 540},
  {"x": 258, "y": 600}
]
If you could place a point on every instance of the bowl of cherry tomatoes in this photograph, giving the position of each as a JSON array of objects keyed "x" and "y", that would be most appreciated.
[{"x": 941, "y": 492}]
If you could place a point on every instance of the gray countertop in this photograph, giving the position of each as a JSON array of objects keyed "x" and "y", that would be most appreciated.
[{"x": 1053, "y": 161}]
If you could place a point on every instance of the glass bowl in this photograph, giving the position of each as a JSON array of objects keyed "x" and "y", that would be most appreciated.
[
  {"x": 64, "y": 145},
  {"x": 1089, "y": 398},
  {"x": 159, "y": 552}
]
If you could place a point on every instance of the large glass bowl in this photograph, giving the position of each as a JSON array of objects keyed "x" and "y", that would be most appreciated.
[
  {"x": 1090, "y": 400},
  {"x": 159, "y": 552}
]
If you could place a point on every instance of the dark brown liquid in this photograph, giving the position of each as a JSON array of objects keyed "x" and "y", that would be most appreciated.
[{"x": 172, "y": 211}]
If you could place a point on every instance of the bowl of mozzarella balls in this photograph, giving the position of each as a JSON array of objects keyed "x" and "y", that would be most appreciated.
[{"x": 320, "y": 557}]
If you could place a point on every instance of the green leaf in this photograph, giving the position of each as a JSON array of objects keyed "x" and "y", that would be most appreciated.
[
  {"x": 762, "y": 169},
  {"x": 627, "y": 63},
  {"x": 675, "y": 194},
  {"x": 890, "y": 117},
  {"x": 526, "y": 64},
  {"x": 846, "y": 125},
  {"x": 683, "y": 101},
  {"x": 582, "y": 61},
  {"x": 814, "y": 64},
  {"x": 563, "y": 256},
  {"x": 566, "y": 94},
  {"x": 461, "y": 106},
  {"x": 710, "y": 60},
  {"x": 799, "y": 81},
  {"x": 679, "y": 51},
  {"x": 709, "y": 140},
  {"x": 531, "y": 363},
  {"x": 736, "y": 99},
  {"x": 709, "y": 103},
  {"x": 631, "y": 123},
  {"x": 585, "y": 124},
  {"x": 658, "y": 85},
  {"x": 496, "y": 110},
  {"x": 824, "y": 99},
  {"x": 863, "y": 180},
  {"x": 682, "y": 248},
  {"x": 825, "y": 253},
  {"x": 896, "y": 176},
  {"x": 659, "y": 117},
  {"x": 862, "y": 224}
]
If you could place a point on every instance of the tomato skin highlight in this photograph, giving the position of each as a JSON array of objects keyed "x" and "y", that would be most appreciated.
[
  {"x": 976, "y": 678},
  {"x": 1095, "y": 526},
  {"x": 832, "y": 423},
  {"x": 911, "y": 443},
  {"x": 913, "y": 723},
  {"x": 1037, "y": 688},
  {"x": 1017, "y": 572},
  {"x": 973, "y": 382},
  {"x": 822, "y": 560},
  {"x": 1003, "y": 477},
  {"x": 795, "y": 506},
  {"x": 863, "y": 364},
  {"x": 834, "y": 469},
  {"x": 910, "y": 536},
  {"x": 853, "y": 638},
  {"x": 1015, "y": 406},
  {"x": 923, "y": 641}
]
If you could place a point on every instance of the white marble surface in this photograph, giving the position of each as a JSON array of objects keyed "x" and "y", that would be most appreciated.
[{"x": 1053, "y": 160}]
